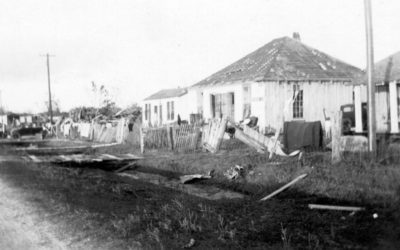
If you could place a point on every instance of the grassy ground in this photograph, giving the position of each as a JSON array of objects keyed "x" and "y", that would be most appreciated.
[
  {"x": 93, "y": 209},
  {"x": 356, "y": 180}
]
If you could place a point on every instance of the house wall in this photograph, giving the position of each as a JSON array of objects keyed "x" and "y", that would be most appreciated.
[
  {"x": 382, "y": 106},
  {"x": 235, "y": 88},
  {"x": 182, "y": 107},
  {"x": 317, "y": 96},
  {"x": 268, "y": 100}
]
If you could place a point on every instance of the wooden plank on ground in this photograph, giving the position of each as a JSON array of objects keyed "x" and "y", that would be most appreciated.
[
  {"x": 111, "y": 157},
  {"x": 331, "y": 207},
  {"x": 34, "y": 158},
  {"x": 132, "y": 164},
  {"x": 284, "y": 187}
]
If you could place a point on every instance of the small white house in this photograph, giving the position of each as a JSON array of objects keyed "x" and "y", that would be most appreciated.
[{"x": 165, "y": 106}]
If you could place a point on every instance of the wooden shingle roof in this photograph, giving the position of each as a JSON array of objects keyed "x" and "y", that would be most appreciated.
[
  {"x": 388, "y": 69},
  {"x": 167, "y": 93},
  {"x": 284, "y": 59}
]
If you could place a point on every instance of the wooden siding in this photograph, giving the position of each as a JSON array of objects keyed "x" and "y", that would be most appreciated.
[
  {"x": 316, "y": 97},
  {"x": 382, "y": 108}
]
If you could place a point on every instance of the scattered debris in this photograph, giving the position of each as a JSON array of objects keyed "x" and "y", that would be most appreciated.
[
  {"x": 284, "y": 187},
  {"x": 128, "y": 166},
  {"x": 79, "y": 158},
  {"x": 261, "y": 142},
  {"x": 234, "y": 172},
  {"x": 72, "y": 149},
  {"x": 331, "y": 207},
  {"x": 190, "y": 244},
  {"x": 275, "y": 147},
  {"x": 188, "y": 178},
  {"x": 208, "y": 192},
  {"x": 240, "y": 135}
]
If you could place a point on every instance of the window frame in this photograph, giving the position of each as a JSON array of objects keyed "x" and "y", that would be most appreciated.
[{"x": 298, "y": 103}]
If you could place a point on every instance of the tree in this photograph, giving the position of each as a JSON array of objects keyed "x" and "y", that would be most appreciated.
[
  {"x": 55, "y": 106},
  {"x": 104, "y": 101}
]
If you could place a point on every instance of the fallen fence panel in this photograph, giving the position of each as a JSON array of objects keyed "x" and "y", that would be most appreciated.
[{"x": 214, "y": 134}]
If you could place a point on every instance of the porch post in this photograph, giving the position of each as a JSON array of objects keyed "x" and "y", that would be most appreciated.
[
  {"x": 394, "y": 116},
  {"x": 357, "y": 108}
]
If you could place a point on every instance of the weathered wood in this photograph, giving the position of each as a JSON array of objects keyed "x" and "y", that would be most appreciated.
[
  {"x": 215, "y": 135},
  {"x": 280, "y": 125},
  {"x": 358, "y": 109},
  {"x": 353, "y": 143},
  {"x": 336, "y": 134},
  {"x": 240, "y": 135},
  {"x": 132, "y": 164},
  {"x": 330, "y": 207},
  {"x": 221, "y": 132},
  {"x": 170, "y": 137},
  {"x": 266, "y": 142},
  {"x": 186, "y": 178},
  {"x": 284, "y": 187},
  {"x": 141, "y": 140},
  {"x": 394, "y": 115}
]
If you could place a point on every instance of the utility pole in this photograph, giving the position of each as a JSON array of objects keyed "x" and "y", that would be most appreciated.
[
  {"x": 371, "y": 83},
  {"x": 48, "y": 82},
  {"x": 1, "y": 102}
]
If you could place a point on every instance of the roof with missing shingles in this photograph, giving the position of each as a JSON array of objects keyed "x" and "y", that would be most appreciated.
[
  {"x": 387, "y": 70},
  {"x": 284, "y": 59},
  {"x": 167, "y": 93}
]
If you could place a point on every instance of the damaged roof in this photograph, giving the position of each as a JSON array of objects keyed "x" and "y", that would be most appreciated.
[
  {"x": 284, "y": 59},
  {"x": 386, "y": 70},
  {"x": 167, "y": 93}
]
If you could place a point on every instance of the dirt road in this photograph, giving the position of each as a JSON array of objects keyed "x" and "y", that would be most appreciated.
[{"x": 20, "y": 228}]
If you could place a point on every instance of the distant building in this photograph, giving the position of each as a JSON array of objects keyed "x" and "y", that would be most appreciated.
[
  {"x": 387, "y": 95},
  {"x": 164, "y": 107},
  {"x": 260, "y": 84}
]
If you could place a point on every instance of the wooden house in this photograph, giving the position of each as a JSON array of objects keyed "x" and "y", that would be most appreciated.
[
  {"x": 164, "y": 107},
  {"x": 262, "y": 82},
  {"x": 387, "y": 95}
]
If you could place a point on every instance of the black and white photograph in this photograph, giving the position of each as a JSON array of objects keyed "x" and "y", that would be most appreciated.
[{"x": 199, "y": 124}]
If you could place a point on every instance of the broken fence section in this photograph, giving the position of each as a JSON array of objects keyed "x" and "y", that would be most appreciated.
[
  {"x": 116, "y": 131},
  {"x": 213, "y": 134},
  {"x": 172, "y": 137}
]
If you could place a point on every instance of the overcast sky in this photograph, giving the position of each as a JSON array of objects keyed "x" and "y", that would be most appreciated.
[{"x": 137, "y": 47}]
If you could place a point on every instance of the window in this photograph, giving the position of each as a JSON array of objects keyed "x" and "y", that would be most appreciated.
[
  {"x": 155, "y": 110},
  {"x": 223, "y": 105},
  {"x": 298, "y": 102},
  {"x": 246, "y": 102},
  {"x": 170, "y": 111},
  {"x": 147, "y": 112},
  {"x": 160, "y": 113}
]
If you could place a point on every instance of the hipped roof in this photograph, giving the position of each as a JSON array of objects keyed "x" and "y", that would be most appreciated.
[
  {"x": 284, "y": 59},
  {"x": 386, "y": 70},
  {"x": 167, "y": 93}
]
